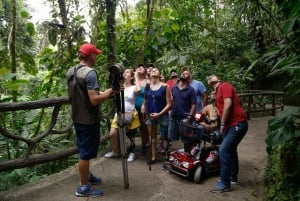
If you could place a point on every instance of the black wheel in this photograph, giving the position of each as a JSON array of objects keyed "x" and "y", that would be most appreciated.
[{"x": 198, "y": 175}]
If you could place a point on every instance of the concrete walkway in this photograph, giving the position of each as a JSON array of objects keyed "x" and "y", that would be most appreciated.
[{"x": 157, "y": 184}]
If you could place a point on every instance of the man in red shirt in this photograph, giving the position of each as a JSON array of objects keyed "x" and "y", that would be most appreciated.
[
  {"x": 233, "y": 128},
  {"x": 173, "y": 79}
]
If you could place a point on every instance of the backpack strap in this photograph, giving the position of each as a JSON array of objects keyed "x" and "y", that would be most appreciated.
[{"x": 86, "y": 70}]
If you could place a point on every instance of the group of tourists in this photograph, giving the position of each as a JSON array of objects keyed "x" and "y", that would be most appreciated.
[{"x": 153, "y": 106}]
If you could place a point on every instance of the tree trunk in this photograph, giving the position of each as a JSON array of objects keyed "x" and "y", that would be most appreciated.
[
  {"x": 111, "y": 31},
  {"x": 12, "y": 45},
  {"x": 150, "y": 9}
]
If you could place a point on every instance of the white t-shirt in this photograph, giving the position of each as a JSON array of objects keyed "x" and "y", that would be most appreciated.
[{"x": 129, "y": 98}]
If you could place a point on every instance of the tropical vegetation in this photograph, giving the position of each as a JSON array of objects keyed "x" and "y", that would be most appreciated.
[{"x": 252, "y": 44}]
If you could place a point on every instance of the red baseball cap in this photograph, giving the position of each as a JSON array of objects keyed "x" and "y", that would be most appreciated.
[{"x": 88, "y": 49}]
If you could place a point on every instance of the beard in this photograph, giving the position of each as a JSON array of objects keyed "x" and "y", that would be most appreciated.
[{"x": 184, "y": 79}]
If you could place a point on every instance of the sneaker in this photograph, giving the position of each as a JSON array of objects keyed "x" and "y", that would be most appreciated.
[
  {"x": 131, "y": 157},
  {"x": 220, "y": 188},
  {"x": 88, "y": 191},
  {"x": 94, "y": 180},
  {"x": 232, "y": 181},
  {"x": 210, "y": 158},
  {"x": 111, "y": 155}
]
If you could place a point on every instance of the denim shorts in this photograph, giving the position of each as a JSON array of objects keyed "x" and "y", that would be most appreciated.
[
  {"x": 88, "y": 140},
  {"x": 164, "y": 121}
]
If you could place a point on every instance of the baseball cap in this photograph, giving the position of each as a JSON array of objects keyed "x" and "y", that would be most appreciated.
[
  {"x": 212, "y": 79},
  {"x": 88, "y": 49},
  {"x": 173, "y": 73}
]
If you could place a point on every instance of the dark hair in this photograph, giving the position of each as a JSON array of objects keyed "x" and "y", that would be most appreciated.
[
  {"x": 81, "y": 56},
  {"x": 150, "y": 65}
]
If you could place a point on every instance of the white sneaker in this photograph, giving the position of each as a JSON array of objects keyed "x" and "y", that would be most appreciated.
[
  {"x": 231, "y": 182},
  {"x": 111, "y": 155},
  {"x": 131, "y": 157}
]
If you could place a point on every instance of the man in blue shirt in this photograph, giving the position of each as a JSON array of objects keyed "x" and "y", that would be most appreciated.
[
  {"x": 200, "y": 90},
  {"x": 184, "y": 103}
]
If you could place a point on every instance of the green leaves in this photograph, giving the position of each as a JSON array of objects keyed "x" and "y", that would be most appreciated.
[
  {"x": 28, "y": 63},
  {"x": 52, "y": 36},
  {"x": 15, "y": 84},
  {"x": 30, "y": 28},
  {"x": 281, "y": 128},
  {"x": 282, "y": 172}
]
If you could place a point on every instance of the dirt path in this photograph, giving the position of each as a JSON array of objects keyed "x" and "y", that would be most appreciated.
[{"x": 157, "y": 184}]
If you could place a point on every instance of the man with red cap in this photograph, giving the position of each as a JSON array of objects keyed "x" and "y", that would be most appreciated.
[{"x": 85, "y": 98}]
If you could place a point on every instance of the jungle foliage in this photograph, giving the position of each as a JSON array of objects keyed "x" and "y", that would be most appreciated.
[
  {"x": 248, "y": 43},
  {"x": 282, "y": 176}
]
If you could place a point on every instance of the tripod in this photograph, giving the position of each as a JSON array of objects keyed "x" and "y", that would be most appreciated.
[{"x": 122, "y": 132}]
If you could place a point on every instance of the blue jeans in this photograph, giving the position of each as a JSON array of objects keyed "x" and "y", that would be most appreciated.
[
  {"x": 228, "y": 152},
  {"x": 174, "y": 129}
]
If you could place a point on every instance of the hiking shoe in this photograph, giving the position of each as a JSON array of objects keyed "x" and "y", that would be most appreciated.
[
  {"x": 88, "y": 191},
  {"x": 131, "y": 157},
  {"x": 94, "y": 180},
  {"x": 220, "y": 188},
  {"x": 111, "y": 155}
]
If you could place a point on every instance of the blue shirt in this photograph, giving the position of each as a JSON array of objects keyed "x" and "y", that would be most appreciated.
[
  {"x": 139, "y": 99},
  {"x": 156, "y": 100},
  {"x": 199, "y": 90},
  {"x": 183, "y": 99}
]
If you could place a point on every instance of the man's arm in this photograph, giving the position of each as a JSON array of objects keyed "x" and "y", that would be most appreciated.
[
  {"x": 97, "y": 97},
  {"x": 226, "y": 113},
  {"x": 193, "y": 109},
  {"x": 204, "y": 99}
]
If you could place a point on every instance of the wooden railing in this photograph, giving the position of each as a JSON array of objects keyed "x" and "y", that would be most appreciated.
[
  {"x": 252, "y": 101},
  {"x": 29, "y": 159},
  {"x": 259, "y": 101}
]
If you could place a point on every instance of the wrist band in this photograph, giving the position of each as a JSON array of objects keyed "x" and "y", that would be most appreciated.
[{"x": 222, "y": 124}]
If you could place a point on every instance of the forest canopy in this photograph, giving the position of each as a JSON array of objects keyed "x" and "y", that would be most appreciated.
[{"x": 249, "y": 43}]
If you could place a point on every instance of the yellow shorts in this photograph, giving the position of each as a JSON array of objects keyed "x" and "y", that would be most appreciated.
[{"x": 134, "y": 124}]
